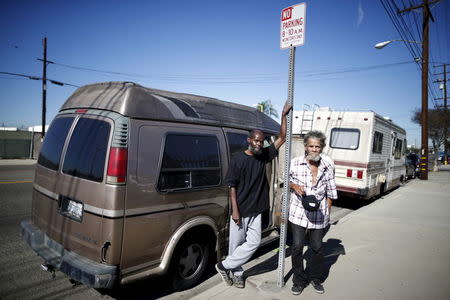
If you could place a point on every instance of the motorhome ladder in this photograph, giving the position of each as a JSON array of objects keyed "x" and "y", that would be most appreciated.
[{"x": 306, "y": 124}]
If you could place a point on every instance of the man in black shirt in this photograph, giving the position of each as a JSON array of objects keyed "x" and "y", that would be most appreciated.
[{"x": 249, "y": 197}]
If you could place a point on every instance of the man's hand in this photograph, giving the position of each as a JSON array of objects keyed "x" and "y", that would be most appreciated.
[
  {"x": 298, "y": 189},
  {"x": 236, "y": 216},
  {"x": 287, "y": 107},
  {"x": 282, "y": 135}
]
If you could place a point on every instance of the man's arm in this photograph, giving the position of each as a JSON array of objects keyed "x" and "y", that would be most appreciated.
[
  {"x": 235, "y": 214},
  {"x": 282, "y": 135},
  {"x": 329, "y": 202}
]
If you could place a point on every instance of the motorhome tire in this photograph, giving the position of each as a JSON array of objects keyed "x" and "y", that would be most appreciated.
[
  {"x": 189, "y": 262},
  {"x": 382, "y": 189}
]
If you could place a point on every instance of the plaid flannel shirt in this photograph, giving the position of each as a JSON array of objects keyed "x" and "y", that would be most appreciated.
[{"x": 300, "y": 173}]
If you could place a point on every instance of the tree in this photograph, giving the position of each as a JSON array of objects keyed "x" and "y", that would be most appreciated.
[
  {"x": 437, "y": 120},
  {"x": 267, "y": 108}
]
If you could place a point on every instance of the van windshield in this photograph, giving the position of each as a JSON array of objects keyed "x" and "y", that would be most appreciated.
[{"x": 52, "y": 147}]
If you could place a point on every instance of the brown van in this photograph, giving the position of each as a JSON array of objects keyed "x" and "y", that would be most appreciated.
[{"x": 129, "y": 184}]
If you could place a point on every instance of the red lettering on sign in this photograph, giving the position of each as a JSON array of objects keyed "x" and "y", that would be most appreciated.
[
  {"x": 286, "y": 14},
  {"x": 296, "y": 22}
]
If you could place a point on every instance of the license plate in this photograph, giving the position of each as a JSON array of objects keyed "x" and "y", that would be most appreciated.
[{"x": 72, "y": 209}]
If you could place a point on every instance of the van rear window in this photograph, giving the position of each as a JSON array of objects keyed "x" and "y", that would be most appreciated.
[
  {"x": 52, "y": 147},
  {"x": 189, "y": 162},
  {"x": 86, "y": 153}
]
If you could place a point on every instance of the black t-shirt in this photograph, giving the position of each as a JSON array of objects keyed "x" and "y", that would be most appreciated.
[{"x": 247, "y": 173}]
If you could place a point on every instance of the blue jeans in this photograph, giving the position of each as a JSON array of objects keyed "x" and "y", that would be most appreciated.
[{"x": 315, "y": 264}]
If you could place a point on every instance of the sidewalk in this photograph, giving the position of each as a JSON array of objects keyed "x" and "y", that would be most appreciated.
[{"x": 398, "y": 247}]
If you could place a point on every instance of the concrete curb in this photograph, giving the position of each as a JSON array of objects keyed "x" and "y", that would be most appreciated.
[{"x": 15, "y": 162}]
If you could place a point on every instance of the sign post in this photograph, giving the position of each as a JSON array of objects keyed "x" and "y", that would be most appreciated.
[{"x": 292, "y": 34}]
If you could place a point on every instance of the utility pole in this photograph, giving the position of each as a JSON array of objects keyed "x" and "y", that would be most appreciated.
[
  {"x": 425, "y": 54},
  {"x": 44, "y": 87}
]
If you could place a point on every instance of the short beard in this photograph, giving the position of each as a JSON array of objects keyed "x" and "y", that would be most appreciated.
[
  {"x": 254, "y": 151},
  {"x": 313, "y": 157}
]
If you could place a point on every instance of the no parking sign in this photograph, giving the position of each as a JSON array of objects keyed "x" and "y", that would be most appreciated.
[{"x": 292, "y": 31}]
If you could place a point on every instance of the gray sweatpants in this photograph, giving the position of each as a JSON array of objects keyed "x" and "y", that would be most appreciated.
[{"x": 244, "y": 240}]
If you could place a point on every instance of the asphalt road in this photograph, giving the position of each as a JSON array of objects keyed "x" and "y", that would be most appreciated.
[{"x": 22, "y": 278}]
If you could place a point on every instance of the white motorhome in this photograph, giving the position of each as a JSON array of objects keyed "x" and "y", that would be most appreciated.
[{"x": 368, "y": 150}]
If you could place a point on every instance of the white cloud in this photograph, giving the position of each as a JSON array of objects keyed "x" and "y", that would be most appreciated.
[{"x": 360, "y": 15}]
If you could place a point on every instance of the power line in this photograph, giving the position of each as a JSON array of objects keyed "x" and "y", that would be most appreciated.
[
  {"x": 233, "y": 79},
  {"x": 406, "y": 34},
  {"x": 39, "y": 78}
]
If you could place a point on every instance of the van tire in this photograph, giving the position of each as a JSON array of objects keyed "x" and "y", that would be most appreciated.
[{"x": 189, "y": 262}]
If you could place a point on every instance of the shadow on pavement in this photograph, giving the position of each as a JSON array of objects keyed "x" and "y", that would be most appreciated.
[
  {"x": 333, "y": 248},
  {"x": 150, "y": 288}
]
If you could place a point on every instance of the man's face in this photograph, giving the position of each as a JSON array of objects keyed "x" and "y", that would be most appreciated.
[
  {"x": 313, "y": 150},
  {"x": 255, "y": 143}
]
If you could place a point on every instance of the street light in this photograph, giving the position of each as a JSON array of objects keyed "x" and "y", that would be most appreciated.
[
  {"x": 384, "y": 44},
  {"x": 424, "y": 113}
]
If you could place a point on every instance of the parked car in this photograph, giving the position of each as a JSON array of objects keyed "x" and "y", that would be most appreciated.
[
  {"x": 130, "y": 183},
  {"x": 441, "y": 157},
  {"x": 412, "y": 165}
]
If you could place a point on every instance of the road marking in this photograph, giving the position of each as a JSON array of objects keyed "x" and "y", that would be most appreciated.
[{"x": 19, "y": 181}]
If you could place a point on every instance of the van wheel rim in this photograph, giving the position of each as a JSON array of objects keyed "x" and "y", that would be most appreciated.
[{"x": 190, "y": 261}]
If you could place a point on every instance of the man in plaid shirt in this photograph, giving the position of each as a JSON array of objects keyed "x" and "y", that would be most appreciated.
[{"x": 310, "y": 175}]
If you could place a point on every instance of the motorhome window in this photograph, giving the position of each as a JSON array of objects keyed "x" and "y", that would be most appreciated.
[
  {"x": 86, "y": 154},
  {"x": 377, "y": 142},
  {"x": 189, "y": 162},
  {"x": 398, "y": 149},
  {"x": 404, "y": 147},
  {"x": 344, "y": 138},
  {"x": 51, "y": 150}
]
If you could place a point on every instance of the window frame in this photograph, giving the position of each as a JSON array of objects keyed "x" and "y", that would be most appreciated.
[
  {"x": 190, "y": 187},
  {"x": 348, "y": 130},
  {"x": 108, "y": 146},
  {"x": 378, "y": 141},
  {"x": 63, "y": 147},
  {"x": 398, "y": 149},
  {"x": 228, "y": 141}
]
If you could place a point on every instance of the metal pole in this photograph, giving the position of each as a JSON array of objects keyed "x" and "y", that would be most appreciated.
[
  {"x": 44, "y": 87},
  {"x": 287, "y": 161},
  {"x": 445, "y": 117},
  {"x": 424, "y": 116}
]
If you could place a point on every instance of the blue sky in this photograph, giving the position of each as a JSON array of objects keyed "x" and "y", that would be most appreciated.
[{"x": 229, "y": 50}]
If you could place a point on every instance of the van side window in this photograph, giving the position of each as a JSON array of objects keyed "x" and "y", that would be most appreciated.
[
  {"x": 86, "y": 154},
  {"x": 237, "y": 142},
  {"x": 398, "y": 149},
  {"x": 345, "y": 138},
  {"x": 377, "y": 142},
  {"x": 51, "y": 150},
  {"x": 189, "y": 162}
]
